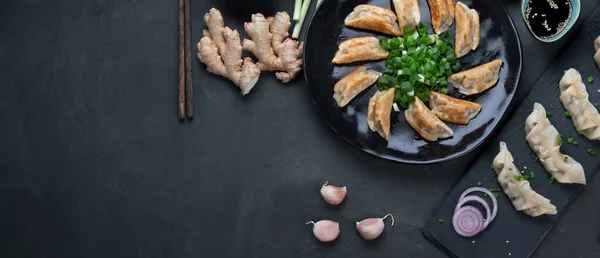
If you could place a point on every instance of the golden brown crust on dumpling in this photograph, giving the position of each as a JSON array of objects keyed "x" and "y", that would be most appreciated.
[
  {"x": 477, "y": 79},
  {"x": 359, "y": 49},
  {"x": 420, "y": 118},
  {"x": 408, "y": 13},
  {"x": 452, "y": 110},
  {"x": 353, "y": 84},
  {"x": 379, "y": 112},
  {"x": 369, "y": 17},
  {"x": 467, "y": 30},
  {"x": 442, "y": 14}
]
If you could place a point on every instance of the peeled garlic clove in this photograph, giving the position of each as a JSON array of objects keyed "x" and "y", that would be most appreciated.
[
  {"x": 325, "y": 230},
  {"x": 332, "y": 194},
  {"x": 372, "y": 228}
]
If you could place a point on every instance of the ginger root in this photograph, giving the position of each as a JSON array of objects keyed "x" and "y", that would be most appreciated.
[
  {"x": 272, "y": 47},
  {"x": 221, "y": 51}
]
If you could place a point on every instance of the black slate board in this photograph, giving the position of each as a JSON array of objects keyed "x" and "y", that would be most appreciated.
[{"x": 513, "y": 233}]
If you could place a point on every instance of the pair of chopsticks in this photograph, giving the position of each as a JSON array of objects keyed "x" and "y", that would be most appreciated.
[{"x": 186, "y": 91}]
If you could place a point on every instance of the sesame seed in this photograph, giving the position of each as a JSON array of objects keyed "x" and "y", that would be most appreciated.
[
  {"x": 473, "y": 241},
  {"x": 507, "y": 241},
  {"x": 508, "y": 254}
]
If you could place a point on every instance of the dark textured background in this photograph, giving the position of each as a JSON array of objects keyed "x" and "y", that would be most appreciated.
[{"x": 94, "y": 163}]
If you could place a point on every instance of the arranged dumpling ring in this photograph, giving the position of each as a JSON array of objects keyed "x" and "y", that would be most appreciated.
[
  {"x": 420, "y": 118},
  {"x": 353, "y": 84},
  {"x": 408, "y": 13},
  {"x": 370, "y": 17},
  {"x": 477, "y": 79},
  {"x": 359, "y": 49},
  {"x": 442, "y": 14},
  {"x": 467, "y": 30},
  {"x": 452, "y": 110},
  {"x": 380, "y": 109}
]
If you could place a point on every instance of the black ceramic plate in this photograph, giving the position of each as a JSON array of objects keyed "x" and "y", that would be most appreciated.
[{"x": 498, "y": 40}]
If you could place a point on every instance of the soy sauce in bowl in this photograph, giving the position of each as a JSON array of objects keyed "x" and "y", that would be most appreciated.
[{"x": 547, "y": 18}]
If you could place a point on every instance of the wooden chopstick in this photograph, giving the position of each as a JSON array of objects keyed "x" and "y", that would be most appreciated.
[
  {"x": 182, "y": 70},
  {"x": 189, "y": 90}
]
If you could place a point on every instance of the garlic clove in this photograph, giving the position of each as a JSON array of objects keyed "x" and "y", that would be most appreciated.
[
  {"x": 332, "y": 194},
  {"x": 372, "y": 228},
  {"x": 325, "y": 230}
]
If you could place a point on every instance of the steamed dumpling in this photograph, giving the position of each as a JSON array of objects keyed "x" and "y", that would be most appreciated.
[
  {"x": 359, "y": 49},
  {"x": 370, "y": 17},
  {"x": 380, "y": 109},
  {"x": 420, "y": 118},
  {"x": 575, "y": 98},
  {"x": 518, "y": 190},
  {"x": 477, "y": 79},
  {"x": 543, "y": 139},
  {"x": 597, "y": 48},
  {"x": 467, "y": 30},
  {"x": 408, "y": 13},
  {"x": 442, "y": 14},
  {"x": 353, "y": 84},
  {"x": 452, "y": 110}
]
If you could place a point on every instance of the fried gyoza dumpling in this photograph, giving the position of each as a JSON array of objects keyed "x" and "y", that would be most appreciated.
[
  {"x": 523, "y": 197},
  {"x": 420, "y": 118},
  {"x": 452, "y": 110},
  {"x": 467, "y": 30},
  {"x": 380, "y": 109},
  {"x": 370, "y": 17},
  {"x": 442, "y": 14},
  {"x": 477, "y": 79},
  {"x": 575, "y": 98},
  {"x": 353, "y": 84},
  {"x": 359, "y": 49},
  {"x": 408, "y": 13},
  {"x": 543, "y": 138}
]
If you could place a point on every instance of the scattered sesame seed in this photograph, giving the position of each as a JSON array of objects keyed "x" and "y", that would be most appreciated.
[
  {"x": 473, "y": 241},
  {"x": 525, "y": 167},
  {"x": 508, "y": 254},
  {"x": 507, "y": 241}
]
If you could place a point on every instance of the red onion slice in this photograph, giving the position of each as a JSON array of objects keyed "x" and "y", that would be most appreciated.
[
  {"x": 489, "y": 193},
  {"x": 468, "y": 221},
  {"x": 478, "y": 199}
]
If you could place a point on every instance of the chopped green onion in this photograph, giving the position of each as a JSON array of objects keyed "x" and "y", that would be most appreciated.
[
  {"x": 548, "y": 113},
  {"x": 551, "y": 179},
  {"x": 440, "y": 220},
  {"x": 580, "y": 132},
  {"x": 536, "y": 160},
  {"x": 590, "y": 79},
  {"x": 518, "y": 178},
  {"x": 551, "y": 106},
  {"x": 590, "y": 151},
  {"x": 478, "y": 183},
  {"x": 510, "y": 169},
  {"x": 570, "y": 140},
  {"x": 514, "y": 198},
  {"x": 567, "y": 114},
  {"x": 495, "y": 190},
  {"x": 297, "y": 9},
  {"x": 595, "y": 104},
  {"x": 565, "y": 159},
  {"x": 485, "y": 194},
  {"x": 298, "y": 26},
  {"x": 559, "y": 140},
  {"x": 526, "y": 178},
  {"x": 528, "y": 149},
  {"x": 444, "y": 90},
  {"x": 496, "y": 194},
  {"x": 531, "y": 175}
]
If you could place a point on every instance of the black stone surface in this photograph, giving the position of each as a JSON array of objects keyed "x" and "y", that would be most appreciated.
[
  {"x": 514, "y": 233},
  {"x": 94, "y": 163}
]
